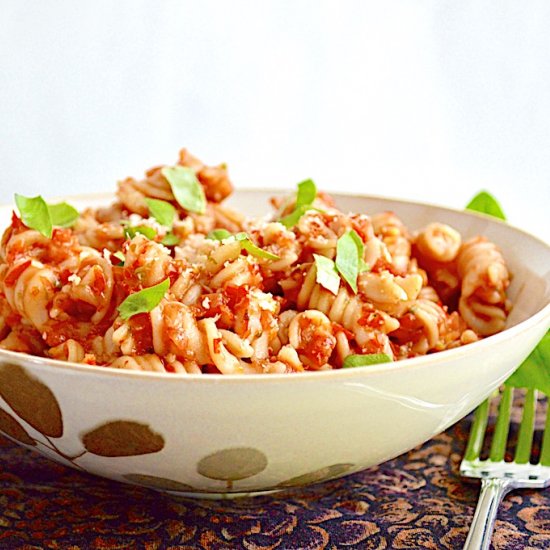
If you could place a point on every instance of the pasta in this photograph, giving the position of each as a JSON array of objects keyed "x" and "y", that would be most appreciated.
[{"x": 169, "y": 279}]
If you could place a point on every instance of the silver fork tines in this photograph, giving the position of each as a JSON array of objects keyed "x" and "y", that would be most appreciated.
[{"x": 498, "y": 476}]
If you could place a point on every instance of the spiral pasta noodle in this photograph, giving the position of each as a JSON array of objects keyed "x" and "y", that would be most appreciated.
[
  {"x": 436, "y": 248},
  {"x": 484, "y": 276},
  {"x": 395, "y": 236},
  {"x": 368, "y": 325},
  {"x": 151, "y": 284}
]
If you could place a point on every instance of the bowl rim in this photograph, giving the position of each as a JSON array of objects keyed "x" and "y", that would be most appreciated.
[{"x": 423, "y": 361}]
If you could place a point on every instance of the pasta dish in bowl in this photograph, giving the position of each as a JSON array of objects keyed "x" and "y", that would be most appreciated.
[
  {"x": 237, "y": 340},
  {"x": 151, "y": 284}
]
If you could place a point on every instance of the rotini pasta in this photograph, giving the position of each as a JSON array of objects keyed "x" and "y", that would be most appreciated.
[
  {"x": 170, "y": 279},
  {"x": 484, "y": 277}
]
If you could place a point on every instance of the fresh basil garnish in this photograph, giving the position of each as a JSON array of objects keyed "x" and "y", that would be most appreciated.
[
  {"x": 218, "y": 235},
  {"x": 348, "y": 264},
  {"x": 143, "y": 301},
  {"x": 485, "y": 203},
  {"x": 162, "y": 211},
  {"x": 349, "y": 258},
  {"x": 365, "y": 360},
  {"x": 534, "y": 372},
  {"x": 327, "y": 275},
  {"x": 63, "y": 214},
  {"x": 186, "y": 188},
  {"x": 39, "y": 215},
  {"x": 363, "y": 266},
  {"x": 307, "y": 191},
  {"x": 246, "y": 243},
  {"x": 35, "y": 214},
  {"x": 254, "y": 250},
  {"x": 170, "y": 239},
  {"x": 130, "y": 231},
  {"x": 120, "y": 256}
]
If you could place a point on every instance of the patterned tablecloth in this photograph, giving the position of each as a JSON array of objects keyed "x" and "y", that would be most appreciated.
[{"x": 417, "y": 500}]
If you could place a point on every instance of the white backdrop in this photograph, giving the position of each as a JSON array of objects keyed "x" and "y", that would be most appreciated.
[{"x": 423, "y": 100}]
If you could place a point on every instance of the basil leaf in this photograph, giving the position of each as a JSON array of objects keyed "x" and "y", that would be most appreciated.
[
  {"x": 347, "y": 258},
  {"x": 293, "y": 218},
  {"x": 326, "y": 276},
  {"x": 63, "y": 214},
  {"x": 120, "y": 256},
  {"x": 218, "y": 235},
  {"x": 363, "y": 266},
  {"x": 485, "y": 203},
  {"x": 256, "y": 251},
  {"x": 35, "y": 214},
  {"x": 39, "y": 215},
  {"x": 143, "y": 301},
  {"x": 170, "y": 239},
  {"x": 534, "y": 372},
  {"x": 352, "y": 361},
  {"x": 162, "y": 211},
  {"x": 132, "y": 230},
  {"x": 252, "y": 249},
  {"x": 246, "y": 243},
  {"x": 307, "y": 191},
  {"x": 187, "y": 189}
]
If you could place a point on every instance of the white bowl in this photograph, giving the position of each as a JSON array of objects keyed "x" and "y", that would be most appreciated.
[{"x": 201, "y": 435}]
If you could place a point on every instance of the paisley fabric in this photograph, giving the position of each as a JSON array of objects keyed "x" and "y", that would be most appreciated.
[{"x": 417, "y": 501}]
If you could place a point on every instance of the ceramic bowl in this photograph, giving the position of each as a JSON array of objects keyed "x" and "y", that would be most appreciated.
[{"x": 210, "y": 435}]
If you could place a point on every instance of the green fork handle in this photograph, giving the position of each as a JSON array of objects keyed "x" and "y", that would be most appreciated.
[{"x": 492, "y": 493}]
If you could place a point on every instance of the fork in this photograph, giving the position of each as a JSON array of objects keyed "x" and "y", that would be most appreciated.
[{"x": 498, "y": 477}]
